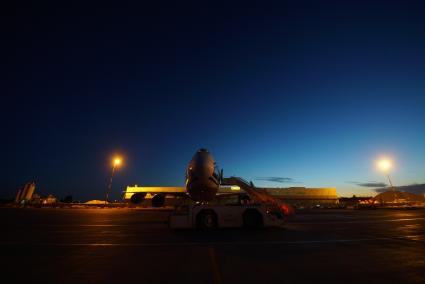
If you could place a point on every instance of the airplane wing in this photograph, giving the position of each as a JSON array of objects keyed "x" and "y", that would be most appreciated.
[{"x": 132, "y": 192}]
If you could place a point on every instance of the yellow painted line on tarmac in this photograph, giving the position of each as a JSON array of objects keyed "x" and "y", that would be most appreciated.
[{"x": 214, "y": 266}]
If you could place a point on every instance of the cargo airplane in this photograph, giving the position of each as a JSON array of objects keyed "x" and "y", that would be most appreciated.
[{"x": 203, "y": 181}]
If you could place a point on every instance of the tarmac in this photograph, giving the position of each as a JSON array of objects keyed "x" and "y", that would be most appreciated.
[{"x": 129, "y": 245}]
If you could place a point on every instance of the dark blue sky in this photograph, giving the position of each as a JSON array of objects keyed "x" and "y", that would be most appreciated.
[{"x": 314, "y": 91}]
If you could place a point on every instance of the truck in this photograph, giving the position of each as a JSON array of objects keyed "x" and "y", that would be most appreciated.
[{"x": 211, "y": 216}]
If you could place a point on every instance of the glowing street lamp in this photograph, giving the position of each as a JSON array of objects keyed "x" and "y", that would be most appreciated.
[
  {"x": 385, "y": 166},
  {"x": 116, "y": 162}
]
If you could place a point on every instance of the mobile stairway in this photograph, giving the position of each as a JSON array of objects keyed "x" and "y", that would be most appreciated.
[{"x": 258, "y": 194}]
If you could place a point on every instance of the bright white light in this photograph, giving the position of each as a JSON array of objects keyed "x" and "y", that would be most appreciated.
[{"x": 384, "y": 165}]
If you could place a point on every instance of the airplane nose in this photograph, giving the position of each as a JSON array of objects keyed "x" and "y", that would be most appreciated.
[
  {"x": 202, "y": 189},
  {"x": 201, "y": 169}
]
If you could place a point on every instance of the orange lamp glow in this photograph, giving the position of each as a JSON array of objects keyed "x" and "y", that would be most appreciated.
[{"x": 117, "y": 161}]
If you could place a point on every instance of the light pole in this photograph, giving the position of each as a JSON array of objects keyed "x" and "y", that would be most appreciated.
[
  {"x": 116, "y": 163},
  {"x": 385, "y": 165}
]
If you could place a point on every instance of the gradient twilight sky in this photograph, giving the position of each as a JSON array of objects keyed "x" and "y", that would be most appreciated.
[{"x": 309, "y": 90}]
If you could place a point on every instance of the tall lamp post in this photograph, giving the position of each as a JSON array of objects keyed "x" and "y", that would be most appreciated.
[
  {"x": 385, "y": 165},
  {"x": 116, "y": 163}
]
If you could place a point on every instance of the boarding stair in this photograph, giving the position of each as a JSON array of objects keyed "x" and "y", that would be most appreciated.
[{"x": 258, "y": 194}]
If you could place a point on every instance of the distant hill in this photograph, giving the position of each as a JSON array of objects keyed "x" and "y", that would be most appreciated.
[
  {"x": 95, "y": 202},
  {"x": 413, "y": 188},
  {"x": 388, "y": 196}
]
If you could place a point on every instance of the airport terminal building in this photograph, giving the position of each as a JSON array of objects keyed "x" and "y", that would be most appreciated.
[
  {"x": 297, "y": 196},
  {"x": 305, "y": 196}
]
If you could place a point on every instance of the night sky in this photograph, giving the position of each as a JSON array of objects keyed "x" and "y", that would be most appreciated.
[{"x": 291, "y": 93}]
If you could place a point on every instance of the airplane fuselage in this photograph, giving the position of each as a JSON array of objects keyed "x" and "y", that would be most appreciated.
[{"x": 202, "y": 177}]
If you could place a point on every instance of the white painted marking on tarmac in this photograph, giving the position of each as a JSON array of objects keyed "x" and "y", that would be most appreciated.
[
  {"x": 202, "y": 244},
  {"x": 289, "y": 223},
  {"x": 102, "y": 225},
  {"x": 404, "y": 219},
  {"x": 355, "y": 221},
  {"x": 82, "y": 225}
]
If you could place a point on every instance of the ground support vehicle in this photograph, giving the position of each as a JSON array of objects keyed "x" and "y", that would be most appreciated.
[{"x": 207, "y": 216}]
